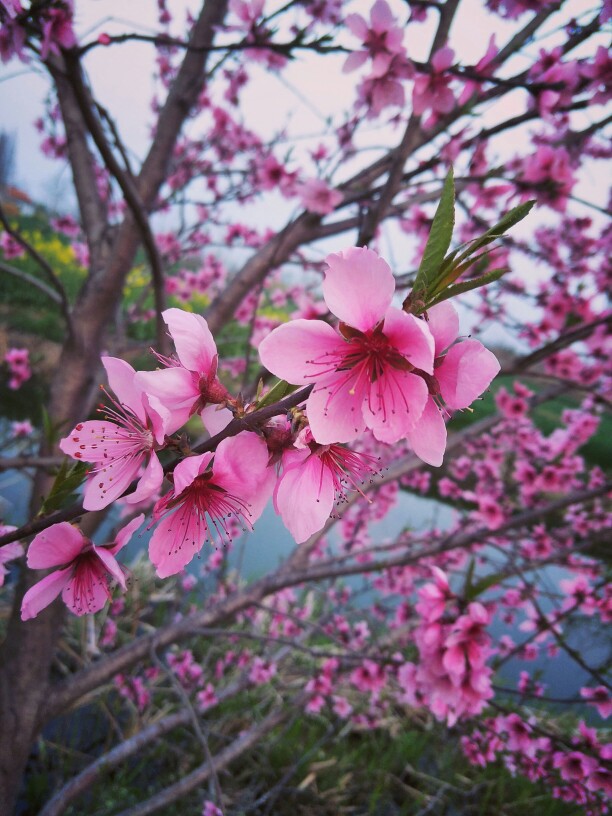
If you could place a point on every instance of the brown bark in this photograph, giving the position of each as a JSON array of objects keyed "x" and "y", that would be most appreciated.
[{"x": 27, "y": 652}]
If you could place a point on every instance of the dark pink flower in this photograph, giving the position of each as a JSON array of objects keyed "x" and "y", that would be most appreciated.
[
  {"x": 121, "y": 444},
  {"x": 204, "y": 500},
  {"x": 86, "y": 569},
  {"x": 314, "y": 478},
  {"x": 362, "y": 374},
  {"x": 190, "y": 383}
]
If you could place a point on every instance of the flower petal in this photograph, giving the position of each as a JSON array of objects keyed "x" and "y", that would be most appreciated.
[
  {"x": 125, "y": 533},
  {"x": 44, "y": 592},
  {"x": 215, "y": 418},
  {"x": 297, "y": 351},
  {"x": 111, "y": 481},
  {"x": 59, "y": 544},
  {"x": 195, "y": 346},
  {"x": 149, "y": 483},
  {"x": 121, "y": 380},
  {"x": 410, "y": 336},
  {"x": 428, "y": 438},
  {"x": 466, "y": 371},
  {"x": 443, "y": 323},
  {"x": 187, "y": 470},
  {"x": 87, "y": 591},
  {"x": 110, "y": 564},
  {"x": 175, "y": 388},
  {"x": 358, "y": 287},
  {"x": 241, "y": 468},
  {"x": 334, "y": 409},
  {"x": 176, "y": 539},
  {"x": 396, "y": 402},
  {"x": 304, "y": 497}
]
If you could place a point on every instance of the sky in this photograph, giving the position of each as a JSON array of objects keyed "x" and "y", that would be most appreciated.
[{"x": 122, "y": 77}]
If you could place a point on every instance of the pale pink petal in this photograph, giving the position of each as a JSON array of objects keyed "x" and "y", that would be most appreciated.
[
  {"x": 216, "y": 418},
  {"x": 304, "y": 498},
  {"x": 467, "y": 370},
  {"x": 354, "y": 60},
  {"x": 358, "y": 287},
  {"x": 87, "y": 591},
  {"x": 380, "y": 65},
  {"x": 428, "y": 437},
  {"x": 176, "y": 388},
  {"x": 443, "y": 58},
  {"x": 443, "y": 323},
  {"x": 59, "y": 544},
  {"x": 297, "y": 351},
  {"x": 410, "y": 336},
  {"x": 241, "y": 468},
  {"x": 396, "y": 402},
  {"x": 125, "y": 533},
  {"x": 381, "y": 17},
  {"x": 10, "y": 552},
  {"x": 111, "y": 482},
  {"x": 44, "y": 592},
  {"x": 93, "y": 441},
  {"x": 176, "y": 539},
  {"x": 121, "y": 380},
  {"x": 159, "y": 416},
  {"x": 149, "y": 483},
  {"x": 110, "y": 564},
  {"x": 357, "y": 25},
  {"x": 187, "y": 470},
  {"x": 334, "y": 410},
  {"x": 195, "y": 346}
]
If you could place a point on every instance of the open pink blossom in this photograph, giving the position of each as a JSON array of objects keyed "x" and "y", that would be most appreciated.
[
  {"x": 363, "y": 373},
  {"x": 121, "y": 444},
  {"x": 86, "y": 569},
  {"x": 460, "y": 376},
  {"x": 203, "y": 500},
  {"x": 382, "y": 38},
  {"x": 314, "y": 477},
  {"x": 189, "y": 383},
  {"x": 318, "y": 197},
  {"x": 9, "y": 552}
]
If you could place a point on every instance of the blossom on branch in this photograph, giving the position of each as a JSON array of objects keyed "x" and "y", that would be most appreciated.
[
  {"x": 363, "y": 373},
  {"x": 204, "y": 500},
  {"x": 121, "y": 444},
  {"x": 188, "y": 384},
  {"x": 86, "y": 569}
]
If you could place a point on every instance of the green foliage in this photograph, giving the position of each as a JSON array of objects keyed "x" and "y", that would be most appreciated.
[
  {"x": 63, "y": 490},
  {"x": 438, "y": 272}
]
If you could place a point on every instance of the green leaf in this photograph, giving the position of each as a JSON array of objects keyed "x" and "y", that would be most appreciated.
[
  {"x": 439, "y": 239},
  {"x": 467, "y": 286},
  {"x": 503, "y": 225},
  {"x": 63, "y": 490},
  {"x": 474, "y": 590},
  {"x": 276, "y": 393}
]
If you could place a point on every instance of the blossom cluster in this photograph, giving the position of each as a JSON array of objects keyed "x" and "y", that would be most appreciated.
[{"x": 381, "y": 370}]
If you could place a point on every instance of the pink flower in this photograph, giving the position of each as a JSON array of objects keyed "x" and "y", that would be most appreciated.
[
  {"x": 21, "y": 428},
  {"x": 318, "y": 197},
  {"x": 364, "y": 374},
  {"x": 460, "y": 376},
  {"x": 314, "y": 477},
  {"x": 203, "y": 501},
  {"x": 11, "y": 247},
  {"x": 121, "y": 444},
  {"x": 431, "y": 90},
  {"x": 9, "y": 552},
  {"x": 599, "y": 697},
  {"x": 190, "y": 383},
  {"x": 84, "y": 580},
  {"x": 382, "y": 39}
]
